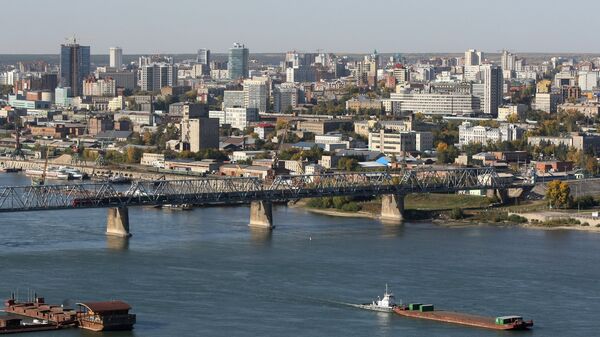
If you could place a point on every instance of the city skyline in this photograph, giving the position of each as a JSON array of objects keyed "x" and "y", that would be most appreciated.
[{"x": 335, "y": 26}]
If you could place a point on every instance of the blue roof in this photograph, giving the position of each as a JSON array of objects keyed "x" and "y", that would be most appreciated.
[{"x": 383, "y": 160}]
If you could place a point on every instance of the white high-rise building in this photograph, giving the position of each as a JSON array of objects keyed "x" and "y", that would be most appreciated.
[
  {"x": 473, "y": 57},
  {"x": 255, "y": 95},
  {"x": 509, "y": 61},
  {"x": 116, "y": 57}
]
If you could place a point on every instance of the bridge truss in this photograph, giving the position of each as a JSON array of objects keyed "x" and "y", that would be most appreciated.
[{"x": 213, "y": 191}]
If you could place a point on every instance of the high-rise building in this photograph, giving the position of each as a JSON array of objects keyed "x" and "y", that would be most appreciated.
[
  {"x": 74, "y": 66},
  {"x": 158, "y": 75},
  {"x": 509, "y": 61},
  {"x": 473, "y": 57},
  {"x": 199, "y": 133},
  {"x": 203, "y": 56},
  {"x": 285, "y": 96},
  {"x": 238, "y": 61},
  {"x": 255, "y": 95},
  {"x": 116, "y": 57},
  {"x": 493, "y": 88}
]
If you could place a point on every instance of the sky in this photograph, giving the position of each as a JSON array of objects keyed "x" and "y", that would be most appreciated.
[{"x": 351, "y": 26}]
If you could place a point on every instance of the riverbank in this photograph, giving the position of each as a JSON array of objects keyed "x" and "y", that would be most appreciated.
[{"x": 476, "y": 212}]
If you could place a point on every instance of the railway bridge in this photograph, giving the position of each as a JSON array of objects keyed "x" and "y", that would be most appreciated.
[{"x": 259, "y": 193}]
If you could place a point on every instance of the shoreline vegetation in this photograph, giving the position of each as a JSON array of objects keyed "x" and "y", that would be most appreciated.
[{"x": 451, "y": 210}]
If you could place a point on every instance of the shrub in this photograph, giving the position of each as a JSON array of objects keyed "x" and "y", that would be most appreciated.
[
  {"x": 516, "y": 218},
  {"x": 351, "y": 207},
  {"x": 585, "y": 224},
  {"x": 586, "y": 201},
  {"x": 457, "y": 214}
]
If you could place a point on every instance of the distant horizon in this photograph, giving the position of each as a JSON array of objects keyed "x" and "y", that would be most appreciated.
[{"x": 348, "y": 26}]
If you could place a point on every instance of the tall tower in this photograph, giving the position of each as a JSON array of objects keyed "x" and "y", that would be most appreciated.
[
  {"x": 116, "y": 57},
  {"x": 493, "y": 88},
  {"x": 74, "y": 65},
  {"x": 238, "y": 61},
  {"x": 203, "y": 56}
]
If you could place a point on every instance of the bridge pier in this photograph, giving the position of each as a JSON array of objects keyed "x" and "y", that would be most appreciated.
[
  {"x": 261, "y": 214},
  {"x": 501, "y": 194},
  {"x": 392, "y": 207},
  {"x": 117, "y": 222}
]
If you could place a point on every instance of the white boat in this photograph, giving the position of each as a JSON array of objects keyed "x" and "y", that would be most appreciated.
[{"x": 385, "y": 304}]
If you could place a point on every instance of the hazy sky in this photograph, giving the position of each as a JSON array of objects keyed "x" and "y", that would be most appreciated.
[{"x": 178, "y": 26}]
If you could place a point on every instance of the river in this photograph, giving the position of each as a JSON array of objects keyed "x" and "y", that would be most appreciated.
[{"x": 205, "y": 273}]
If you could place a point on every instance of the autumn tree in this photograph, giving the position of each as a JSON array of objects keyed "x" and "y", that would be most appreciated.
[{"x": 558, "y": 194}]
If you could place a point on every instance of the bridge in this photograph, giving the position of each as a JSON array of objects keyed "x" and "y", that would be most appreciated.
[{"x": 259, "y": 193}]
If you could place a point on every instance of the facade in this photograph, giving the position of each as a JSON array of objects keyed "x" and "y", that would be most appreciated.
[
  {"x": 238, "y": 62},
  {"x": 473, "y": 57},
  {"x": 123, "y": 79},
  {"x": 284, "y": 97},
  {"x": 101, "y": 87},
  {"x": 199, "y": 134},
  {"x": 508, "y": 110},
  {"x": 74, "y": 66},
  {"x": 323, "y": 126},
  {"x": 493, "y": 89},
  {"x": 255, "y": 95},
  {"x": 233, "y": 99},
  {"x": 62, "y": 96},
  {"x": 238, "y": 118},
  {"x": 158, "y": 75},
  {"x": 397, "y": 143},
  {"x": 547, "y": 102},
  {"x": 116, "y": 57},
  {"x": 468, "y": 134},
  {"x": 433, "y": 103},
  {"x": 363, "y": 103}
]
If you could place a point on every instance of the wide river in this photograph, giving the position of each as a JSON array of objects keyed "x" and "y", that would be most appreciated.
[{"x": 205, "y": 273}]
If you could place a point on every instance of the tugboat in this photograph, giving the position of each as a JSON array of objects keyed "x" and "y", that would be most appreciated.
[{"x": 385, "y": 304}]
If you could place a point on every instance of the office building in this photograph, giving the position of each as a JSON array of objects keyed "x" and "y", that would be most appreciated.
[
  {"x": 238, "y": 62},
  {"x": 285, "y": 97},
  {"x": 468, "y": 134},
  {"x": 158, "y": 75},
  {"x": 123, "y": 79},
  {"x": 199, "y": 133},
  {"x": 433, "y": 103},
  {"x": 255, "y": 95},
  {"x": 237, "y": 118},
  {"x": 233, "y": 99},
  {"x": 203, "y": 57},
  {"x": 398, "y": 143},
  {"x": 116, "y": 57},
  {"x": 74, "y": 66},
  {"x": 63, "y": 96}
]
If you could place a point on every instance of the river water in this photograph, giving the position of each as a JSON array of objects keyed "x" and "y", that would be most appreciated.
[{"x": 205, "y": 273}]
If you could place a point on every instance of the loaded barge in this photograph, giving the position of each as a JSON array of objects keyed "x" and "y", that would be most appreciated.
[
  {"x": 427, "y": 311},
  {"x": 95, "y": 316}
]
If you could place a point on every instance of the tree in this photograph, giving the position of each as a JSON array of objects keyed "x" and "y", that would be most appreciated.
[
  {"x": 134, "y": 155},
  {"x": 348, "y": 164},
  {"x": 558, "y": 194},
  {"x": 445, "y": 153}
]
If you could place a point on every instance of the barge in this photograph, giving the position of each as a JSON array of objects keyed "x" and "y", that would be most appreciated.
[{"x": 426, "y": 311}]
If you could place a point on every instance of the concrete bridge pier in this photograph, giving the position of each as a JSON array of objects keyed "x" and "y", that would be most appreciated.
[
  {"x": 261, "y": 214},
  {"x": 501, "y": 194},
  {"x": 117, "y": 222},
  {"x": 392, "y": 207}
]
